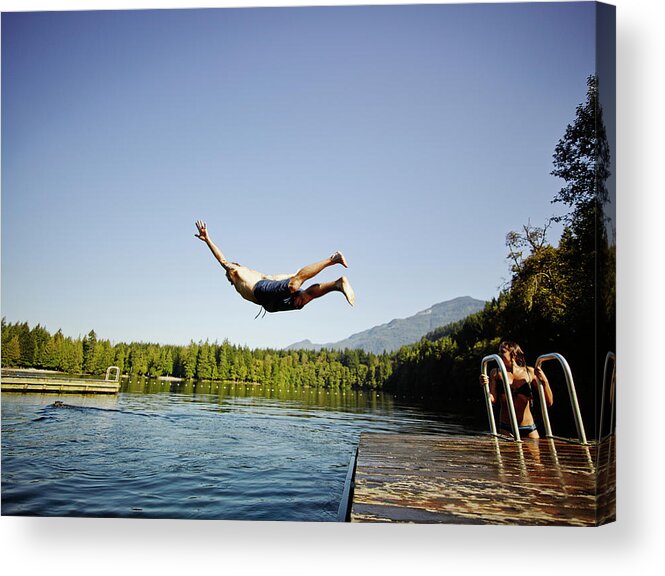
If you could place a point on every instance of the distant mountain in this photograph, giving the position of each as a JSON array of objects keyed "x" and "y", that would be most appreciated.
[{"x": 401, "y": 331}]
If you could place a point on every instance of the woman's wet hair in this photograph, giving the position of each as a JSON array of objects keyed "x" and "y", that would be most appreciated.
[{"x": 515, "y": 351}]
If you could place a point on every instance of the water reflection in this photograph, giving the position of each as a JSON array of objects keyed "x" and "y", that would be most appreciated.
[
  {"x": 165, "y": 449},
  {"x": 323, "y": 398}
]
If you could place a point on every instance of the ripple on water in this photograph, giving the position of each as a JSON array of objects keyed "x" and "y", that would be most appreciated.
[{"x": 182, "y": 456}]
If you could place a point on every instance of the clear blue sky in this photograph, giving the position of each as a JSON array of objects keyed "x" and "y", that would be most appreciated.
[{"x": 413, "y": 138}]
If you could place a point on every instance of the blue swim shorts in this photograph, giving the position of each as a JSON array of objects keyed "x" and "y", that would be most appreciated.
[{"x": 275, "y": 296}]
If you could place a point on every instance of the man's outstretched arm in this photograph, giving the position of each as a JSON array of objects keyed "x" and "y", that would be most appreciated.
[{"x": 216, "y": 252}]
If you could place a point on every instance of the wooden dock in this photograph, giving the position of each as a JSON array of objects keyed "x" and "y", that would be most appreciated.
[
  {"x": 482, "y": 480},
  {"x": 42, "y": 383}
]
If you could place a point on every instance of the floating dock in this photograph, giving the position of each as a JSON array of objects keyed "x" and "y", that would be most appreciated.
[
  {"x": 481, "y": 480},
  {"x": 42, "y": 383}
]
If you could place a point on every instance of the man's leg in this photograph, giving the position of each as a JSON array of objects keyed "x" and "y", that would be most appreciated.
[
  {"x": 317, "y": 290},
  {"x": 312, "y": 270}
]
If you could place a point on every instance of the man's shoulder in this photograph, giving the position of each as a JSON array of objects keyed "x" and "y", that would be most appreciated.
[{"x": 242, "y": 269}]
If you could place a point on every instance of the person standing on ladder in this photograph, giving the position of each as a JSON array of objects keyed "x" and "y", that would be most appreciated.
[{"x": 523, "y": 382}]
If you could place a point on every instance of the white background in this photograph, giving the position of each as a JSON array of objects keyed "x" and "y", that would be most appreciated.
[{"x": 631, "y": 545}]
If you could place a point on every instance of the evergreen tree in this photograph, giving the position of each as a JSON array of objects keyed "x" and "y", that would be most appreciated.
[
  {"x": 582, "y": 160},
  {"x": 138, "y": 360},
  {"x": 223, "y": 367},
  {"x": 166, "y": 362},
  {"x": 204, "y": 364},
  {"x": 190, "y": 354},
  {"x": 120, "y": 356},
  {"x": 54, "y": 352},
  {"x": 89, "y": 349},
  {"x": 71, "y": 356},
  {"x": 11, "y": 352},
  {"x": 27, "y": 344}
]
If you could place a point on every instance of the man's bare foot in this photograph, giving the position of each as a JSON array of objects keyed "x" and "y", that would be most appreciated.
[
  {"x": 338, "y": 258},
  {"x": 345, "y": 286}
]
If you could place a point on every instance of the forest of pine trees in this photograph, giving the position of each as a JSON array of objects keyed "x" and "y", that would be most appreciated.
[{"x": 25, "y": 347}]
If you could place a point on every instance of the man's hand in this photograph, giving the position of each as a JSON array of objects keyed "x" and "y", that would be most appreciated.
[{"x": 203, "y": 231}]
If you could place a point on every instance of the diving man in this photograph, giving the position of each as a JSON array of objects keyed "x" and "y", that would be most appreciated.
[{"x": 279, "y": 292}]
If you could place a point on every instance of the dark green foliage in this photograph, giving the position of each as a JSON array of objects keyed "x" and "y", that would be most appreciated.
[
  {"x": 201, "y": 361},
  {"x": 89, "y": 352},
  {"x": 582, "y": 160},
  {"x": 11, "y": 352}
]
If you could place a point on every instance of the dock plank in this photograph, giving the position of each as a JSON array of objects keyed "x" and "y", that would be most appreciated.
[
  {"x": 58, "y": 385},
  {"x": 482, "y": 480}
]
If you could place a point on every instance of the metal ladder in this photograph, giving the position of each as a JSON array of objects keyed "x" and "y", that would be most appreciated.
[
  {"x": 541, "y": 393},
  {"x": 116, "y": 377},
  {"x": 610, "y": 357}
]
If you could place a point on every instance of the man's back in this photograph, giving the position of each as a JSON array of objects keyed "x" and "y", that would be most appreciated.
[{"x": 244, "y": 279}]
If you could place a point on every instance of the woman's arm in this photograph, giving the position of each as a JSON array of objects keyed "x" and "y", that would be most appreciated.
[
  {"x": 491, "y": 380},
  {"x": 540, "y": 377},
  {"x": 493, "y": 375}
]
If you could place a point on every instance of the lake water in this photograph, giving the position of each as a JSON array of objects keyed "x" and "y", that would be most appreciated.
[{"x": 210, "y": 451}]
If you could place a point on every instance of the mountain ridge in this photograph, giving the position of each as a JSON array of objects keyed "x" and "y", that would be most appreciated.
[{"x": 399, "y": 332}]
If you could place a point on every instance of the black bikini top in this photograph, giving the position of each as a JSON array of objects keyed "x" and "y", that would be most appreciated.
[{"x": 524, "y": 389}]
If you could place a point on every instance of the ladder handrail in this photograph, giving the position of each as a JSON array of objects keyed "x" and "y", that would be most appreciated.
[
  {"x": 509, "y": 397},
  {"x": 608, "y": 357},
  {"x": 108, "y": 374},
  {"x": 571, "y": 393}
]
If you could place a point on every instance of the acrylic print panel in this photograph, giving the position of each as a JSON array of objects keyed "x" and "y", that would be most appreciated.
[{"x": 268, "y": 257}]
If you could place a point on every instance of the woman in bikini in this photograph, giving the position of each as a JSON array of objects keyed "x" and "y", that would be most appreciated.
[{"x": 523, "y": 383}]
